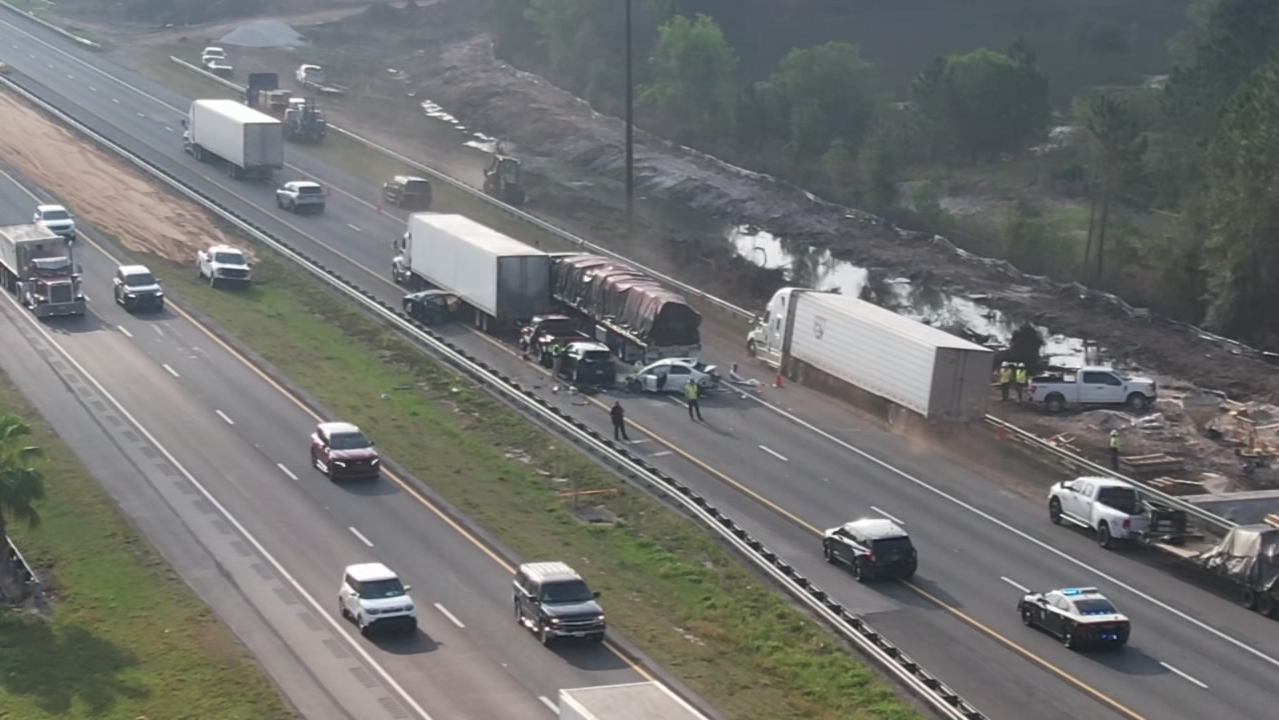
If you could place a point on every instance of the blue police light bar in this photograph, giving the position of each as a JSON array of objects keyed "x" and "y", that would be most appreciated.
[{"x": 1078, "y": 590}]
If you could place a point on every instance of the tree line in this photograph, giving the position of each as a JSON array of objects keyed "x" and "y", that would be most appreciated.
[{"x": 1201, "y": 148}]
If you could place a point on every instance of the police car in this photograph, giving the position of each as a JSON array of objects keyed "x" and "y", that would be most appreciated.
[{"x": 1079, "y": 616}]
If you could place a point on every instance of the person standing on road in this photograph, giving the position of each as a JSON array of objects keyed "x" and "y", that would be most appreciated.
[
  {"x": 1114, "y": 450},
  {"x": 619, "y": 421},
  {"x": 1022, "y": 379},
  {"x": 692, "y": 393},
  {"x": 1005, "y": 381}
]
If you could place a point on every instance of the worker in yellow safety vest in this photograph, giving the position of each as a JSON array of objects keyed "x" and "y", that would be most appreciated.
[
  {"x": 1005, "y": 380},
  {"x": 1022, "y": 378},
  {"x": 1114, "y": 450}
]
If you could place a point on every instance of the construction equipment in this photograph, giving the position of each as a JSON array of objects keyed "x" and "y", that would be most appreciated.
[
  {"x": 304, "y": 120},
  {"x": 503, "y": 179},
  {"x": 302, "y": 117},
  {"x": 258, "y": 85}
]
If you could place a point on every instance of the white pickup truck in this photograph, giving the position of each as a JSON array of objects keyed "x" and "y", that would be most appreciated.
[
  {"x": 1092, "y": 386},
  {"x": 223, "y": 264},
  {"x": 1112, "y": 508}
]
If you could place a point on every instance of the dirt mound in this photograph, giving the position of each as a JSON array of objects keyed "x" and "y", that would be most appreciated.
[
  {"x": 543, "y": 120},
  {"x": 111, "y": 195}
]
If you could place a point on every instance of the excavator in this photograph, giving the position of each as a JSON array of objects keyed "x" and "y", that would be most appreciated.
[{"x": 503, "y": 178}]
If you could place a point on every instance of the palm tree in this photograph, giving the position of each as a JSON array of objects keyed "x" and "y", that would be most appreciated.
[{"x": 21, "y": 483}]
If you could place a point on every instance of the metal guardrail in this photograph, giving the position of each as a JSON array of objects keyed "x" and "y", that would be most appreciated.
[
  {"x": 1075, "y": 461},
  {"x": 61, "y": 31},
  {"x": 32, "y": 588},
  {"x": 924, "y": 685}
]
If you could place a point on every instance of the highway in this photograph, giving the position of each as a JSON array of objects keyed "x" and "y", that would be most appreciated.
[
  {"x": 1193, "y": 653},
  {"x": 211, "y": 456}
]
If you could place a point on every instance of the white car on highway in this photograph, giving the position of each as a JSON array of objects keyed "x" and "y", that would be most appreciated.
[
  {"x": 300, "y": 196},
  {"x": 670, "y": 375},
  {"x": 55, "y": 219},
  {"x": 373, "y": 597}
]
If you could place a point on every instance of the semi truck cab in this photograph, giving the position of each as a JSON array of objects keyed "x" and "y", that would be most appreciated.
[{"x": 766, "y": 340}]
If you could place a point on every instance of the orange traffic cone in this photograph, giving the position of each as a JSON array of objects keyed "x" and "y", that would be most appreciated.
[{"x": 777, "y": 379}]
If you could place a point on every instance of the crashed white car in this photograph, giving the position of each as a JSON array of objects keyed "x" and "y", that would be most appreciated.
[
  {"x": 223, "y": 264},
  {"x": 670, "y": 375}
]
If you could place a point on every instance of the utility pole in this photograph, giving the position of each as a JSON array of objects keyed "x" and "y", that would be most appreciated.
[{"x": 630, "y": 127}]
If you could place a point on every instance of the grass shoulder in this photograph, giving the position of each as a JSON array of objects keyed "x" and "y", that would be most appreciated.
[
  {"x": 667, "y": 584},
  {"x": 124, "y": 638}
]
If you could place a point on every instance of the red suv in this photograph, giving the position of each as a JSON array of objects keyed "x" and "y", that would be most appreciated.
[{"x": 341, "y": 451}]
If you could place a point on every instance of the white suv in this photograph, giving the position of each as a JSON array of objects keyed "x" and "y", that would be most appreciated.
[
  {"x": 372, "y": 597},
  {"x": 55, "y": 219}
]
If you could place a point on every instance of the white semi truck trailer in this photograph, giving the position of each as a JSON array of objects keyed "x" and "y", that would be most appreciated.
[
  {"x": 820, "y": 338},
  {"x": 248, "y": 142}
]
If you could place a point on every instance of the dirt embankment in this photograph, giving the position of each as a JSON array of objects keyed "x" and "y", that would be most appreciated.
[
  {"x": 543, "y": 120},
  {"x": 112, "y": 195}
]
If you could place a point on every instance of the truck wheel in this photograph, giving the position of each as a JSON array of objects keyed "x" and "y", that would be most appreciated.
[
  {"x": 1054, "y": 511},
  {"x": 279, "y": 202},
  {"x": 1248, "y": 598},
  {"x": 1266, "y": 604},
  {"x": 1104, "y": 538},
  {"x": 1054, "y": 404},
  {"x": 826, "y": 553},
  {"x": 1138, "y": 402}
]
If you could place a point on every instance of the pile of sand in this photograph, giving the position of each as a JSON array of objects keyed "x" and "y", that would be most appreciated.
[{"x": 111, "y": 195}]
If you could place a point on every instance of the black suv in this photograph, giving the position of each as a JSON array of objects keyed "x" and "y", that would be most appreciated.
[
  {"x": 872, "y": 547},
  {"x": 408, "y": 192},
  {"x": 553, "y": 601},
  {"x": 135, "y": 287}
]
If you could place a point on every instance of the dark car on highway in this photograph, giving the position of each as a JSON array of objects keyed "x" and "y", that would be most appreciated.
[
  {"x": 1080, "y": 616},
  {"x": 872, "y": 548},
  {"x": 431, "y": 307},
  {"x": 341, "y": 451},
  {"x": 408, "y": 192}
]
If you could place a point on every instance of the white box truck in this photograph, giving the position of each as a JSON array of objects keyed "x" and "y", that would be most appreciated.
[
  {"x": 251, "y": 143},
  {"x": 503, "y": 279},
  {"x": 818, "y": 337},
  {"x": 633, "y": 701}
]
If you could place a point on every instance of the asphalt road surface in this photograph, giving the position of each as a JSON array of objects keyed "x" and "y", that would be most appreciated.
[
  {"x": 786, "y": 472},
  {"x": 211, "y": 458}
]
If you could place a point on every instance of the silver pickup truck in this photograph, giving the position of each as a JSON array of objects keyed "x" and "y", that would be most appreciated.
[{"x": 1092, "y": 386}]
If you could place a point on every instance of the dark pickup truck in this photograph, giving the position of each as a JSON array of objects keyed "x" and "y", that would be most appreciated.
[{"x": 539, "y": 336}]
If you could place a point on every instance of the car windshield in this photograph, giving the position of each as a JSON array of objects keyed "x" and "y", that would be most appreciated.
[
  {"x": 230, "y": 258},
  {"x": 349, "y": 441},
  {"x": 310, "y": 190},
  {"x": 381, "y": 589},
  {"x": 566, "y": 592},
  {"x": 1123, "y": 499},
  {"x": 56, "y": 215},
  {"x": 139, "y": 279},
  {"x": 1096, "y": 606},
  {"x": 595, "y": 356},
  {"x": 416, "y": 187}
]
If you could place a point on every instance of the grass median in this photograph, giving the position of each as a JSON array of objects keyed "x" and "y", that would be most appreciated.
[
  {"x": 667, "y": 583},
  {"x": 125, "y": 638}
]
